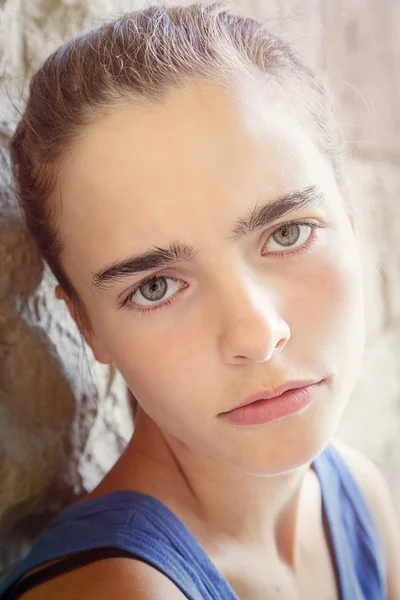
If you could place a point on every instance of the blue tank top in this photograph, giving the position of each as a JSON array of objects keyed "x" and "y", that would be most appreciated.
[{"x": 128, "y": 523}]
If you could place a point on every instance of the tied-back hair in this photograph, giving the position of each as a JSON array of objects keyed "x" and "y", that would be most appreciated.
[{"x": 139, "y": 58}]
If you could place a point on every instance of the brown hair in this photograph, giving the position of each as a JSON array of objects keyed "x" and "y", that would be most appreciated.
[{"x": 140, "y": 57}]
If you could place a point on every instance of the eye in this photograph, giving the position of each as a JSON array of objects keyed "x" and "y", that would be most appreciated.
[
  {"x": 151, "y": 291},
  {"x": 290, "y": 236},
  {"x": 154, "y": 290}
]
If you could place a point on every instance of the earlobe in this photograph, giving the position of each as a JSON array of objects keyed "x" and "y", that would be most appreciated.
[
  {"x": 99, "y": 353},
  {"x": 59, "y": 293}
]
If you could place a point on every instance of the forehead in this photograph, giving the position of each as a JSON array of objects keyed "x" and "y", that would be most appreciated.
[{"x": 146, "y": 174}]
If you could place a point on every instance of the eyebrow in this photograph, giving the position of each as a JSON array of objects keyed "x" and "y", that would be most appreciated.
[{"x": 259, "y": 218}]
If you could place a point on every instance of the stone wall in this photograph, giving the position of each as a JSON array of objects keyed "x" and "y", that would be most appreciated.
[{"x": 64, "y": 418}]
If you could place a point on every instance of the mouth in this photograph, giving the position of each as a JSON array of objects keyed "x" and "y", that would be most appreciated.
[
  {"x": 275, "y": 392},
  {"x": 294, "y": 397}
]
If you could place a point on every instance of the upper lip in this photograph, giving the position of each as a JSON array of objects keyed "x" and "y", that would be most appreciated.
[{"x": 276, "y": 391}]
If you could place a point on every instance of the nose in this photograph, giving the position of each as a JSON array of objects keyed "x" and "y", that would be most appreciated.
[{"x": 251, "y": 328}]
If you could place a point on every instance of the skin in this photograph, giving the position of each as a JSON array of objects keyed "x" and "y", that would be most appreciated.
[{"x": 247, "y": 315}]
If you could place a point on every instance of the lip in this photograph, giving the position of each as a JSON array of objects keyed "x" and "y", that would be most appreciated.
[{"x": 272, "y": 393}]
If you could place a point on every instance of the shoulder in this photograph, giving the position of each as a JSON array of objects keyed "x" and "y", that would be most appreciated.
[
  {"x": 377, "y": 494},
  {"x": 120, "y": 578},
  {"x": 370, "y": 480}
]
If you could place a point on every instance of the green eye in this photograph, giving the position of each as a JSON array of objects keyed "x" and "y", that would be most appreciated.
[
  {"x": 287, "y": 235},
  {"x": 290, "y": 236},
  {"x": 155, "y": 289}
]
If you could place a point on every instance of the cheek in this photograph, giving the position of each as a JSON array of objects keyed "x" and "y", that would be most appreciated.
[
  {"x": 329, "y": 317},
  {"x": 162, "y": 366}
]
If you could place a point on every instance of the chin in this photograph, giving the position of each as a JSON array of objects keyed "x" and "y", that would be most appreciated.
[
  {"x": 287, "y": 462},
  {"x": 286, "y": 445}
]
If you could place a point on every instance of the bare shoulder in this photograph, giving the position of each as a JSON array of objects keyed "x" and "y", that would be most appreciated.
[
  {"x": 119, "y": 578},
  {"x": 377, "y": 493}
]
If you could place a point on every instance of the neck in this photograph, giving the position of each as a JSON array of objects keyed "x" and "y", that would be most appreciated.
[{"x": 220, "y": 502}]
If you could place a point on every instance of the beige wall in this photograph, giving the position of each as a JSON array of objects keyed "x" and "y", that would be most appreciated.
[{"x": 61, "y": 427}]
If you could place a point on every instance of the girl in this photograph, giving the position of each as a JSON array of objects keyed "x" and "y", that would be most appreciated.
[{"x": 181, "y": 175}]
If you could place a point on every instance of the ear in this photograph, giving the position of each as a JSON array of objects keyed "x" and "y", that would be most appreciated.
[{"x": 84, "y": 327}]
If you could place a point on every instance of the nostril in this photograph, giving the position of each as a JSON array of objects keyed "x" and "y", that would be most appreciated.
[{"x": 281, "y": 344}]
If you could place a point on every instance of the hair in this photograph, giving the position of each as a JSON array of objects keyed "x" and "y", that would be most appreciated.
[{"x": 140, "y": 57}]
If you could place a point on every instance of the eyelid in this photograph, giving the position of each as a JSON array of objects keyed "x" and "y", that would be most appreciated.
[
  {"x": 299, "y": 221},
  {"x": 139, "y": 284},
  {"x": 158, "y": 275},
  {"x": 267, "y": 233},
  {"x": 122, "y": 297},
  {"x": 289, "y": 251}
]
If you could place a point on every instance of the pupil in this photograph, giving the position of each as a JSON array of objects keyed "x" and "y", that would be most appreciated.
[
  {"x": 288, "y": 235},
  {"x": 154, "y": 290}
]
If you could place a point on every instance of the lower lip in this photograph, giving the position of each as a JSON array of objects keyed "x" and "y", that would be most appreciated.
[{"x": 263, "y": 411}]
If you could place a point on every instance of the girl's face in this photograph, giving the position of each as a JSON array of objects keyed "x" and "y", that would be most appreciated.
[{"x": 258, "y": 281}]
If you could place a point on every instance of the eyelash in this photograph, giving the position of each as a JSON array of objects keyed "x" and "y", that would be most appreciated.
[
  {"x": 301, "y": 248},
  {"x": 169, "y": 301},
  {"x": 151, "y": 309}
]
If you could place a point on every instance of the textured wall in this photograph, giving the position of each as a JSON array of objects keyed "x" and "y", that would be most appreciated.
[{"x": 64, "y": 418}]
